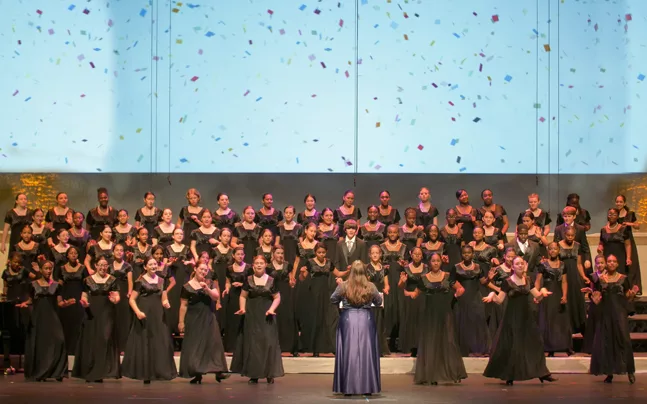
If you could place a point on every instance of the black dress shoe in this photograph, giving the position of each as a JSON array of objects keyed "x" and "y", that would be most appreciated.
[
  {"x": 632, "y": 378},
  {"x": 548, "y": 378},
  {"x": 59, "y": 379},
  {"x": 147, "y": 382},
  {"x": 510, "y": 383},
  {"x": 221, "y": 376},
  {"x": 253, "y": 381},
  {"x": 196, "y": 380},
  {"x": 609, "y": 379},
  {"x": 270, "y": 380}
]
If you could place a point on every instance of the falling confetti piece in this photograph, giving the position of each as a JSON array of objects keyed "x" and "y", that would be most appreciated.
[
  {"x": 184, "y": 160},
  {"x": 508, "y": 78},
  {"x": 377, "y": 124},
  {"x": 140, "y": 158},
  {"x": 454, "y": 142},
  {"x": 317, "y": 11},
  {"x": 139, "y": 130},
  {"x": 50, "y": 31},
  {"x": 86, "y": 11},
  {"x": 475, "y": 120},
  {"x": 547, "y": 47},
  {"x": 246, "y": 93},
  {"x": 71, "y": 7},
  {"x": 341, "y": 22},
  {"x": 194, "y": 78},
  {"x": 456, "y": 35},
  {"x": 542, "y": 119},
  {"x": 27, "y": 99},
  {"x": 209, "y": 34},
  {"x": 15, "y": 93},
  {"x": 420, "y": 147},
  {"x": 458, "y": 159},
  {"x": 641, "y": 77},
  {"x": 495, "y": 18},
  {"x": 303, "y": 7},
  {"x": 628, "y": 17},
  {"x": 142, "y": 13}
]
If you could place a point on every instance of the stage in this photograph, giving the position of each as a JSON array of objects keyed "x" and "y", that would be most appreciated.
[{"x": 317, "y": 389}]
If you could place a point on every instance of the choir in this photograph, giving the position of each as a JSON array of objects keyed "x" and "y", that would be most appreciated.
[{"x": 270, "y": 281}]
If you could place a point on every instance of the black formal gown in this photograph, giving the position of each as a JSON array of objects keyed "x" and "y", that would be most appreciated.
[
  {"x": 98, "y": 222},
  {"x": 163, "y": 239},
  {"x": 29, "y": 255},
  {"x": 340, "y": 218},
  {"x": 221, "y": 261},
  {"x": 202, "y": 240},
  {"x": 304, "y": 302},
  {"x": 138, "y": 254},
  {"x": 411, "y": 310},
  {"x": 613, "y": 243},
  {"x": 182, "y": 274},
  {"x": 372, "y": 237},
  {"x": 541, "y": 220},
  {"x": 518, "y": 349},
  {"x": 554, "y": 320},
  {"x": 97, "y": 252},
  {"x": 377, "y": 276},
  {"x": 149, "y": 221},
  {"x": 467, "y": 224},
  {"x": 290, "y": 242},
  {"x": 453, "y": 246},
  {"x": 576, "y": 306},
  {"x": 80, "y": 241},
  {"x": 426, "y": 219},
  {"x": 258, "y": 354},
  {"x": 121, "y": 238},
  {"x": 329, "y": 238},
  {"x": 498, "y": 212},
  {"x": 612, "y": 353},
  {"x": 58, "y": 221},
  {"x": 123, "y": 314},
  {"x": 45, "y": 233},
  {"x": 266, "y": 254},
  {"x": 392, "y": 218},
  {"x": 634, "y": 269},
  {"x": 303, "y": 220},
  {"x": 45, "y": 353},
  {"x": 592, "y": 315},
  {"x": 71, "y": 316},
  {"x": 15, "y": 320},
  {"x": 16, "y": 222},
  {"x": 202, "y": 348},
  {"x": 435, "y": 248},
  {"x": 97, "y": 353},
  {"x": 269, "y": 221},
  {"x": 249, "y": 240},
  {"x": 410, "y": 239},
  {"x": 395, "y": 298},
  {"x": 188, "y": 224},
  {"x": 227, "y": 221},
  {"x": 471, "y": 322},
  {"x": 149, "y": 350},
  {"x": 357, "y": 363},
  {"x": 233, "y": 321},
  {"x": 439, "y": 357},
  {"x": 319, "y": 335},
  {"x": 285, "y": 313},
  {"x": 495, "y": 311}
]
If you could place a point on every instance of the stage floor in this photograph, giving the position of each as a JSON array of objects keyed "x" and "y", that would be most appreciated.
[{"x": 314, "y": 389}]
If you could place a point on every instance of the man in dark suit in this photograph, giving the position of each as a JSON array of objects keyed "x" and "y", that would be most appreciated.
[
  {"x": 349, "y": 249},
  {"x": 527, "y": 249},
  {"x": 569, "y": 214}
]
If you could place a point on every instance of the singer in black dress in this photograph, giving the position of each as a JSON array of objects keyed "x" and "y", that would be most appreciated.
[
  {"x": 97, "y": 353},
  {"x": 452, "y": 235},
  {"x": 45, "y": 354},
  {"x": 434, "y": 245},
  {"x": 612, "y": 353},
  {"x": 304, "y": 302},
  {"x": 237, "y": 273},
  {"x": 60, "y": 216},
  {"x": 628, "y": 218},
  {"x": 426, "y": 213},
  {"x": 71, "y": 276},
  {"x": 189, "y": 217},
  {"x": 268, "y": 217},
  {"x": 163, "y": 232},
  {"x": 570, "y": 255},
  {"x": 288, "y": 236},
  {"x": 79, "y": 236},
  {"x": 258, "y": 354},
  {"x": 310, "y": 214},
  {"x": 221, "y": 259},
  {"x": 373, "y": 231},
  {"x": 279, "y": 269},
  {"x": 14, "y": 221},
  {"x": 498, "y": 211},
  {"x": 387, "y": 214},
  {"x": 149, "y": 350},
  {"x": 15, "y": 290},
  {"x": 247, "y": 234},
  {"x": 101, "y": 216},
  {"x": 328, "y": 233},
  {"x": 518, "y": 350},
  {"x": 615, "y": 240},
  {"x": 411, "y": 309},
  {"x": 204, "y": 237},
  {"x": 223, "y": 216},
  {"x": 122, "y": 271},
  {"x": 439, "y": 357},
  {"x": 202, "y": 349},
  {"x": 40, "y": 232},
  {"x": 377, "y": 275},
  {"x": 265, "y": 245},
  {"x": 554, "y": 321},
  {"x": 346, "y": 211},
  {"x": 149, "y": 215},
  {"x": 466, "y": 215},
  {"x": 124, "y": 232},
  {"x": 393, "y": 259},
  {"x": 410, "y": 234},
  {"x": 28, "y": 249},
  {"x": 177, "y": 257}
]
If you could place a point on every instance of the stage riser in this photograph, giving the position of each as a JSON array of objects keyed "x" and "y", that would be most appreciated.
[{"x": 402, "y": 366}]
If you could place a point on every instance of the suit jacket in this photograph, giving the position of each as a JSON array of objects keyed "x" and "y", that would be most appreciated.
[
  {"x": 580, "y": 237},
  {"x": 344, "y": 257},
  {"x": 532, "y": 255}
]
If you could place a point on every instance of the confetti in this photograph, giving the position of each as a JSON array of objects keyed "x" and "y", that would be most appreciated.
[
  {"x": 194, "y": 78},
  {"x": 71, "y": 7},
  {"x": 420, "y": 147},
  {"x": 303, "y": 7},
  {"x": 454, "y": 142},
  {"x": 86, "y": 11},
  {"x": 641, "y": 77},
  {"x": 547, "y": 47},
  {"x": 142, "y": 12},
  {"x": 50, "y": 31},
  {"x": 209, "y": 34},
  {"x": 508, "y": 78},
  {"x": 184, "y": 160},
  {"x": 15, "y": 93},
  {"x": 475, "y": 120},
  {"x": 495, "y": 18}
]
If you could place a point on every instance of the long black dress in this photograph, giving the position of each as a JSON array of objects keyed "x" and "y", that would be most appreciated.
[
  {"x": 496, "y": 310},
  {"x": 202, "y": 349},
  {"x": 357, "y": 363},
  {"x": 121, "y": 238},
  {"x": 554, "y": 321},
  {"x": 41, "y": 239},
  {"x": 613, "y": 243},
  {"x": 182, "y": 274},
  {"x": 58, "y": 221},
  {"x": 188, "y": 224},
  {"x": 410, "y": 239},
  {"x": 612, "y": 352},
  {"x": 258, "y": 354},
  {"x": 97, "y": 252},
  {"x": 123, "y": 313},
  {"x": 634, "y": 269},
  {"x": 138, "y": 268},
  {"x": 453, "y": 245},
  {"x": 576, "y": 306},
  {"x": 202, "y": 240},
  {"x": 29, "y": 256},
  {"x": 471, "y": 323},
  {"x": 234, "y": 322},
  {"x": 249, "y": 239},
  {"x": 149, "y": 350},
  {"x": 285, "y": 313},
  {"x": 395, "y": 298},
  {"x": 15, "y": 320},
  {"x": 340, "y": 218},
  {"x": 319, "y": 336},
  {"x": 303, "y": 220},
  {"x": 439, "y": 357},
  {"x": 163, "y": 239},
  {"x": 79, "y": 241},
  {"x": 411, "y": 310},
  {"x": 392, "y": 218},
  {"x": 97, "y": 353},
  {"x": 71, "y": 316},
  {"x": 290, "y": 241},
  {"x": 592, "y": 315},
  {"x": 518, "y": 349},
  {"x": 16, "y": 222},
  {"x": 304, "y": 302},
  {"x": 221, "y": 261},
  {"x": 377, "y": 278},
  {"x": 45, "y": 353},
  {"x": 426, "y": 219},
  {"x": 467, "y": 224}
]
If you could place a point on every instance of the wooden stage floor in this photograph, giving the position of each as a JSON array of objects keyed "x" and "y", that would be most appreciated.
[{"x": 314, "y": 389}]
